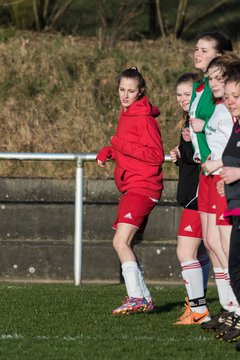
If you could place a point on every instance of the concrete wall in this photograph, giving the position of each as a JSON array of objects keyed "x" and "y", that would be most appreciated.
[{"x": 37, "y": 230}]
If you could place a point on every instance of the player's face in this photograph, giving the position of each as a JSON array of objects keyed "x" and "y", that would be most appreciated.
[
  {"x": 232, "y": 97},
  {"x": 204, "y": 52},
  {"x": 184, "y": 93},
  {"x": 128, "y": 91},
  {"x": 216, "y": 82}
]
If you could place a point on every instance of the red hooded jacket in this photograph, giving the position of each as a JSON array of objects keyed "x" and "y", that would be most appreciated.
[{"x": 137, "y": 150}]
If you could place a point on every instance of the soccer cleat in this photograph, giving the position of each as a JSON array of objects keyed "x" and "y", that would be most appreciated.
[
  {"x": 233, "y": 334},
  {"x": 225, "y": 327},
  {"x": 150, "y": 306},
  {"x": 216, "y": 321},
  {"x": 186, "y": 310},
  {"x": 131, "y": 305},
  {"x": 193, "y": 318}
]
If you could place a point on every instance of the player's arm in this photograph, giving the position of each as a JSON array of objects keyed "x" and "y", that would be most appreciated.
[{"x": 105, "y": 153}]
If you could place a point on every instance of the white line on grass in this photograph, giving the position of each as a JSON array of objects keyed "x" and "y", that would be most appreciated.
[
  {"x": 82, "y": 337},
  {"x": 10, "y": 337}
]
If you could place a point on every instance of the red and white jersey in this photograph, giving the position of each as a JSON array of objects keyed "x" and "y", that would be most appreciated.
[{"x": 218, "y": 130}]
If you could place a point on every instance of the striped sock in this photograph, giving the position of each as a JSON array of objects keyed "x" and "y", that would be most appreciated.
[
  {"x": 222, "y": 286},
  {"x": 193, "y": 280}
]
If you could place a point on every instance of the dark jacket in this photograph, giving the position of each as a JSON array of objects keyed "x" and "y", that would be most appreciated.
[
  {"x": 231, "y": 157},
  {"x": 189, "y": 172}
]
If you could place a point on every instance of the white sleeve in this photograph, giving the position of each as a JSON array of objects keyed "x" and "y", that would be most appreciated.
[{"x": 225, "y": 127}]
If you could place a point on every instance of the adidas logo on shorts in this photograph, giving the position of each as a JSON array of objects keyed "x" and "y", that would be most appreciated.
[
  {"x": 128, "y": 216},
  {"x": 221, "y": 217},
  {"x": 188, "y": 228}
]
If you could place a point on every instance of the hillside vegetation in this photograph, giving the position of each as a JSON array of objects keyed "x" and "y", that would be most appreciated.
[{"x": 58, "y": 94}]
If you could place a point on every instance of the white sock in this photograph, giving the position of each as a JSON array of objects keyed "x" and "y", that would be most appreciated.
[
  {"x": 130, "y": 274},
  {"x": 232, "y": 301},
  {"x": 222, "y": 286},
  {"x": 205, "y": 264},
  {"x": 146, "y": 292},
  {"x": 193, "y": 279}
]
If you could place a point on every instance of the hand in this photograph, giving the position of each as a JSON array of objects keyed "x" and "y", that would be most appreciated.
[
  {"x": 230, "y": 174},
  {"x": 220, "y": 188},
  {"x": 186, "y": 134},
  {"x": 104, "y": 154},
  {"x": 210, "y": 166},
  {"x": 175, "y": 154},
  {"x": 100, "y": 163},
  {"x": 112, "y": 138},
  {"x": 197, "y": 124}
]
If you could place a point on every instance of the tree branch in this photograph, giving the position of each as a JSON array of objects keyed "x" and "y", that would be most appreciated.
[
  {"x": 181, "y": 14},
  {"x": 60, "y": 12},
  {"x": 159, "y": 17},
  {"x": 207, "y": 12},
  {"x": 45, "y": 9},
  {"x": 35, "y": 10}
]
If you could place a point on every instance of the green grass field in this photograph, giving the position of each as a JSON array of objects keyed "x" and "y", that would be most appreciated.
[{"x": 68, "y": 322}]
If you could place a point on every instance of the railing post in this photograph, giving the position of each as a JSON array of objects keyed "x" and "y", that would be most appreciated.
[
  {"x": 80, "y": 158},
  {"x": 78, "y": 222}
]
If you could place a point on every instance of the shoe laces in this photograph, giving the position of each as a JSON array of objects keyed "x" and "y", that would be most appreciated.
[
  {"x": 136, "y": 300},
  {"x": 236, "y": 322},
  {"x": 184, "y": 310},
  {"x": 230, "y": 321},
  {"x": 186, "y": 304}
]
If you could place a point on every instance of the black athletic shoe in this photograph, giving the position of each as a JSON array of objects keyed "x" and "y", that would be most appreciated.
[
  {"x": 226, "y": 326},
  {"x": 216, "y": 321},
  {"x": 233, "y": 333}
]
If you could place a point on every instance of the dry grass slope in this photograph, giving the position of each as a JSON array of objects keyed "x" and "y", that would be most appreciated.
[{"x": 58, "y": 94}]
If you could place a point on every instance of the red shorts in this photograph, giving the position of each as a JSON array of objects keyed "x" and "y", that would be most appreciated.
[
  {"x": 221, "y": 207},
  {"x": 134, "y": 209},
  {"x": 190, "y": 224},
  {"x": 212, "y": 194},
  {"x": 203, "y": 193},
  {"x": 217, "y": 203}
]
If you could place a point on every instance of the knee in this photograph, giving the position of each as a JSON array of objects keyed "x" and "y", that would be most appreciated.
[
  {"x": 115, "y": 244},
  {"x": 210, "y": 243},
  {"x": 184, "y": 255},
  {"x": 119, "y": 245},
  {"x": 180, "y": 255}
]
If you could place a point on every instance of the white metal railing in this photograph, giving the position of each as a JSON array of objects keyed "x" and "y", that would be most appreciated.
[{"x": 80, "y": 159}]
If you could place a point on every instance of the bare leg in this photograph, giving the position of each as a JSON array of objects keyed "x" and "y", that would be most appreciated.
[
  {"x": 225, "y": 234},
  {"x": 214, "y": 240},
  {"x": 122, "y": 242},
  {"x": 187, "y": 248},
  {"x": 204, "y": 222}
]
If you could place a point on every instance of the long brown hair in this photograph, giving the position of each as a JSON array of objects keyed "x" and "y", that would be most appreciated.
[
  {"x": 222, "y": 62},
  {"x": 189, "y": 77}
]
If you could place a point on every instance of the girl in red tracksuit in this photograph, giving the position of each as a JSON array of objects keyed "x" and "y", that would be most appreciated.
[{"x": 138, "y": 153}]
